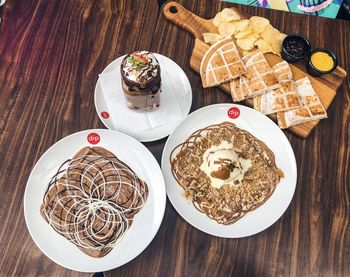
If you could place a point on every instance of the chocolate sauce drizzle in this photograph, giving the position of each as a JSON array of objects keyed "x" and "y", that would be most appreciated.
[
  {"x": 144, "y": 77},
  {"x": 92, "y": 200},
  {"x": 226, "y": 204}
]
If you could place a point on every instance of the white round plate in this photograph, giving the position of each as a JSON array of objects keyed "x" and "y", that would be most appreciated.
[
  {"x": 175, "y": 88},
  {"x": 262, "y": 128},
  {"x": 146, "y": 222}
]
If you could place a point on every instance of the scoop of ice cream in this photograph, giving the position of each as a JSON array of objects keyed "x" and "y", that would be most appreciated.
[{"x": 223, "y": 165}]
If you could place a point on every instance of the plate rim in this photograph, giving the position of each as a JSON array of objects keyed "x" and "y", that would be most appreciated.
[
  {"x": 162, "y": 205},
  {"x": 175, "y": 123},
  {"x": 227, "y": 105}
]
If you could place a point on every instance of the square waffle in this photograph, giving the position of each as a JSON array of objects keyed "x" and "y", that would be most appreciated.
[
  {"x": 282, "y": 71},
  {"x": 258, "y": 79},
  {"x": 282, "y": 98},
  {"x": 221, "y": 63},
  {"x": 311, "y": 109}
]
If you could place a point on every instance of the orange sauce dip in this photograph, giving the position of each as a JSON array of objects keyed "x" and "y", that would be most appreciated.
[{"x": 322, "y": 61}]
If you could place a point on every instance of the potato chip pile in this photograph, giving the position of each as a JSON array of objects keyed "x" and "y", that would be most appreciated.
[{"x": 249, "y": 33}]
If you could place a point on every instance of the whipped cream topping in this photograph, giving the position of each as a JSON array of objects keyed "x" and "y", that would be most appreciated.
[
  {"x": 140, "y": 67},
  {"x": 223, "y": 165}
]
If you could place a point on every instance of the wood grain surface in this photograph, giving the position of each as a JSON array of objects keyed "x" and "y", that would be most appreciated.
[
  {"x": 326, "y": 86},
  {"x": 51, "y": 53}
]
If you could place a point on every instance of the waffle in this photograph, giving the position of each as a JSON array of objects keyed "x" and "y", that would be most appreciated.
[
  {"x": 282, "y": 98},
  {"x": 221, "y": 63},
  {"x": 258, "y": 79},
  {"x": 282, "y": 71},
  {"x": 311, "y": 109}
]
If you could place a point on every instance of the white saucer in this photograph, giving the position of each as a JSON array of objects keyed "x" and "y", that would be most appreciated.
[
  {"x": 262, "y": 128},
  {"x": 176, "y": 88},
  {"x": 146, "y": 222}
]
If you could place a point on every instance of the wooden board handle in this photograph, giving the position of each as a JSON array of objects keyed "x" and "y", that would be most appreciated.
[{"x": 182, "y": 17}]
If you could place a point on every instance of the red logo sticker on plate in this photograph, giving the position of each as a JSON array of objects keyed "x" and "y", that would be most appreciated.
[
  {"x": 233, "y": 112},
  {"x": 105, "y": 115},
  {"x": 93, "y": 138}
]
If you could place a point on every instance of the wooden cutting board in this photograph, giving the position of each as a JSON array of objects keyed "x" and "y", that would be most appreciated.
[{"x": 325, "y": 86}]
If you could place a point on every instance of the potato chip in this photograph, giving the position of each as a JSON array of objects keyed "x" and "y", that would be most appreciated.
[
  {"x": 277, "y": 47},
  {"x": 211, "y": 38},
  {"x": 263, "y": 46},
  {"x": 244, "y": 32},
  {"x": 226, "y": 29},
  {"x": 218, "y": 19},
  {"x": 240, "y": 25},
  {"x": 257, "y": 35},
  {"x": 226, "y": 15},
  {"x": 277, "y": 43},
  {"x": 269, "y": 33},
  {"x": 246, "y": 43},
  {"x": 282, "y": 36},
  {"x": 276, "y": 37},
  {"x": 256, "y": 31},
  {"x": 259, "y": 23},
  {"x": 229, "y": 14}
]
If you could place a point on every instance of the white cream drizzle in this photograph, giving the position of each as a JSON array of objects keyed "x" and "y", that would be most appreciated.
[
  {"x": 90, "y": 206},
  {"x": 133, "y": 73}
]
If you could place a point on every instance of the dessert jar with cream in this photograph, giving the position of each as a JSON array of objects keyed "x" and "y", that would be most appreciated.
[{"x": 141, "y": 81}]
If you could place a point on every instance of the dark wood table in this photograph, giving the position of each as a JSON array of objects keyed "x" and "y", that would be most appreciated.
[{"x": 51, "y": 53}]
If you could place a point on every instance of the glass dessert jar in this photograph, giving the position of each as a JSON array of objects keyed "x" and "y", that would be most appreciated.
[{"x": 141, "y": 81}]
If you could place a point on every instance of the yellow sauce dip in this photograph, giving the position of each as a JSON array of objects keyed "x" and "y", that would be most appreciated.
[{"x": 322, "y": 61}]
